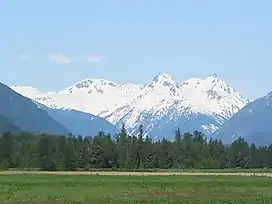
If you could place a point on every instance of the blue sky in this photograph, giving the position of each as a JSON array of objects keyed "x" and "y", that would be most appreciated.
[{"x": 52, "y": 44}]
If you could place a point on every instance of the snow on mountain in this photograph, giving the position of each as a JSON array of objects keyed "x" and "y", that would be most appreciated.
[
  {"x": 160, "y": 106},
  {"x": 88, "y": 95}
]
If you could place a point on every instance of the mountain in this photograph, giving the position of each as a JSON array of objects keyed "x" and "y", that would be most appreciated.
[
  {"x": 88, "y": 95},
  {"x": 7, "y": 126},
  {"x": 160, "y": 106},
  {"x": 252, "y": 123},
  {"x": 22, "y": 112},
  {"x": 80, "y": 123},
  {"x": 163, "y": 105}
]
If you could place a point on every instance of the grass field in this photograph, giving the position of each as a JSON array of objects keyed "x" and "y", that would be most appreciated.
[
  {"x": 227, "y": 170},
  {"x": 93, "y": 189}
]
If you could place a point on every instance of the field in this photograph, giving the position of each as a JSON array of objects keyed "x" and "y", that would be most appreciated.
[{"x": 105, "y": 189}]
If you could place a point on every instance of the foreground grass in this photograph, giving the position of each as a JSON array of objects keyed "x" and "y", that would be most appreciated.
[
  {"x": 58, "y": 189},
  {"x": 227, "y": 170}
]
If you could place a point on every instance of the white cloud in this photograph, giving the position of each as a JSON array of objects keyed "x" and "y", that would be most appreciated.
[
  {"x": 63, "y": 59},
  {"x": 60, "y": 58},
  {"x": 24, "y": 57},
  {"x": 96, "y": 58}
]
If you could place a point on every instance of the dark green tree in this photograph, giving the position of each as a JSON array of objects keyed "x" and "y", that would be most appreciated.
[
  {"x": 8, "y": 151},
  {"x": 45, "y": 153}
]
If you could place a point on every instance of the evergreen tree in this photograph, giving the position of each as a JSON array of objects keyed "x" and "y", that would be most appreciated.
[
  {"x": 190, "y": 150},
  {"x": 7, "y": 151},
  {"x": 122, "y": 148},
  {"x": 45, "y": 153}
]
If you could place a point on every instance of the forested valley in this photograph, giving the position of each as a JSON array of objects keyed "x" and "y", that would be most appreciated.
[{"x": 189, "y": 150}]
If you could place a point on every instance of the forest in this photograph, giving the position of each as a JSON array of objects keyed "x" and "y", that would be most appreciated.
[{"x": 122, "y": 151}]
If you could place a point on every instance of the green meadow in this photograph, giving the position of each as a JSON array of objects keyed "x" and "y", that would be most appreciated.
[{"x": 94, "y": 189}]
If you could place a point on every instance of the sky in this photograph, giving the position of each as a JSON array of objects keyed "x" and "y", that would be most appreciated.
[{"x": 53, "y": 44}]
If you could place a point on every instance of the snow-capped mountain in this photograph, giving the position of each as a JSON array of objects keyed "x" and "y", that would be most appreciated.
[
  {"x": 160, "y": 106},
  {"x": 163, "y": 105},
  {"x": 88, "y": 95}
]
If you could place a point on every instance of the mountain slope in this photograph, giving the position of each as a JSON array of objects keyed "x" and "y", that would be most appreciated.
[
  {"x": 160, "y": 105},
  {"x": 7, "y": 126},
  {"x": 80, "y": 123},
  {"x": 23, "y": 113},
  {"x": 253, "y": 123}
]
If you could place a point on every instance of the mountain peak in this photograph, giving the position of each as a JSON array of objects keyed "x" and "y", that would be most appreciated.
[
  {"x": 215, "y": 79},
  {"x": 269, "y": 95},
  {"x": 212, "y": 79},
  {"x": 163, "y": 76},
  {"x": 86, "y": 83},
  {"x": 213, "y": 75},
  {"x": 163, "y": 79}
]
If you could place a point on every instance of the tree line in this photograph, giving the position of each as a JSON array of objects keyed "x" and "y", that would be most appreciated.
[{"x": 189, "y": 150}]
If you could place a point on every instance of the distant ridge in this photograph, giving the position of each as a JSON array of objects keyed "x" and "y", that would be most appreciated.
[{"x": 253, "y": 123}]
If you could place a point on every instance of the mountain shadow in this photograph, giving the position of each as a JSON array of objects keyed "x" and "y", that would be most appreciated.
[{"x": 22, "y": 112}]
